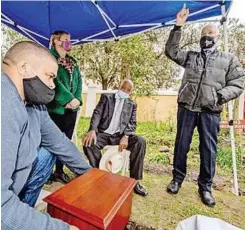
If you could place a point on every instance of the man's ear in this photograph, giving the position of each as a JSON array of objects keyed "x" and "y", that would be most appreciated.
[{"x": 22, "y": 68}]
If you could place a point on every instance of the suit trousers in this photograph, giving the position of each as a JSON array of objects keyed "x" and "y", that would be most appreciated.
[
  {"x": 136, "y": 145},
  {"x": 208, "y": 128}
]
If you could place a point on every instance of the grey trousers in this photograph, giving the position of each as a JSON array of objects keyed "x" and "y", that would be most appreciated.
[{"x": 136, "y": 145}]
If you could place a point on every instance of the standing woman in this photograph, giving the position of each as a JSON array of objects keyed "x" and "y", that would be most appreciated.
[{"x": 63, "y": 109}]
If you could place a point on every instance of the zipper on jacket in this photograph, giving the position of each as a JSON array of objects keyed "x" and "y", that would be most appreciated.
[{"x": 200, "y": 82}]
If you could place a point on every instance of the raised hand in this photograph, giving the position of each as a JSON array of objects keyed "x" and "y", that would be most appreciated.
[{"x": 182, "y": 16}]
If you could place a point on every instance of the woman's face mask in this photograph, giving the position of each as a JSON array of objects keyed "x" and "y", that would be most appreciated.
[
  {"x": 66, "y": 45},
  {"x": 64, "y": 42}
]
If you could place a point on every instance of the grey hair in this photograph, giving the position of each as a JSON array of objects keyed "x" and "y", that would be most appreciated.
[
  {"x": 127, "y": 81},
  {"x": 212, "y": 25}
]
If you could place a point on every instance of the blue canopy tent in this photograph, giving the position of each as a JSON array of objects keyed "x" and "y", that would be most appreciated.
[
  {"x": 88, "y": 21},
  {"x": 91, "y": 20}
]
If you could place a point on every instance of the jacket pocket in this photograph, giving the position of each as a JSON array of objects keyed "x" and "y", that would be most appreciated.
[
  {"x": 187, "y": 93},
  {"x": 208, "y": 96}
]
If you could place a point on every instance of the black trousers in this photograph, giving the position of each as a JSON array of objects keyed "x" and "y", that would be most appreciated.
[
  {"x": 136, "y": 145},
  {"x": 66, "y": 124},
  {"x": 208, "y": 129}
]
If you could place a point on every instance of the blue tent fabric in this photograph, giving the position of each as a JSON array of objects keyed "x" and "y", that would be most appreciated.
[{"x": 83, "y": 19}]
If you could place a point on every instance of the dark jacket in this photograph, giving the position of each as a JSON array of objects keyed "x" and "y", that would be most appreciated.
[
  {"x": 103, "y": 113},
  {"x": 208, "y": 81},
  {"x": 63, "y": 92}
]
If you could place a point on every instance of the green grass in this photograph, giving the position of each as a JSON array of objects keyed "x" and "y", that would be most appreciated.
[
  {"x": 163, "y": 211},
  {"x": 162, "y": 135}
]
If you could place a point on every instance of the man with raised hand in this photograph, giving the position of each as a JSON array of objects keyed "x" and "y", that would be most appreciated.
[{"x": 211, "y": 79}]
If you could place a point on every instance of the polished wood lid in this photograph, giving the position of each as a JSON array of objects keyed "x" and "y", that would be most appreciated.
[{"x": 95, "y": 196}]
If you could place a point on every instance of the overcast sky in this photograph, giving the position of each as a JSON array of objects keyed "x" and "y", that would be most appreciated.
[{"x": 238, "y": 10}]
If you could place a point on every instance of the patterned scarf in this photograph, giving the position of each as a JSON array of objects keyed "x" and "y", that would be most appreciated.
[{"x": 67, "y": 63}]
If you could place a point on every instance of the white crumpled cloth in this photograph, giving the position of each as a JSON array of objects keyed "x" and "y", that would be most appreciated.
[{"x": 199, "y": 222}]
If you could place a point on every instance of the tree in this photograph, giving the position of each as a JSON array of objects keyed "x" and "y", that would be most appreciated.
[
  {"x": 236, "y": 35},
  {"x": 99, "y": 62},
  {"x": 10, "y": 37},
  {"x": 137, "y": 58},
  {"x": 141, "y": 58}
]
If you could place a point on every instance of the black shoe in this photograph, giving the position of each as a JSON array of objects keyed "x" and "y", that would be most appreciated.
[
  {"x": 173, "y": 187},
  {"x": 138, "y": 189},
  {"x": 207, "y": 198},
  {"x": 61, "y": 177},
  {"x": 50, "y": 180}
]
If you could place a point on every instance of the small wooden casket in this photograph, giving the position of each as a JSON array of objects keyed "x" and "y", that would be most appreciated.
[{"x": 95, "y": 200}]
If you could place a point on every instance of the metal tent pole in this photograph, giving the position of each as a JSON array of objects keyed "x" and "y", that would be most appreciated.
[{"x": 230, "y": 111}]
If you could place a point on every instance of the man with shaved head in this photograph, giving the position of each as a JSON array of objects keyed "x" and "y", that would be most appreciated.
[
  {"x": 114, "y": 123},
  {"x": 211, "y": 79},
  {"x": 30, "y": 140}
]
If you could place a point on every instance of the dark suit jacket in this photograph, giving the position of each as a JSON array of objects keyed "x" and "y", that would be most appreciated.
[{"x": 103, "y": 113}]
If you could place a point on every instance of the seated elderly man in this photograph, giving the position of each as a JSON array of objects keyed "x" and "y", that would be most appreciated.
[{"x": 114, "y": 123}]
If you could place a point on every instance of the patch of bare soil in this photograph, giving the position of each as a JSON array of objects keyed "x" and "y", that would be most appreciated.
[
  {"x": 53, "y": 187},
  {"x": 134, "y": 226}
]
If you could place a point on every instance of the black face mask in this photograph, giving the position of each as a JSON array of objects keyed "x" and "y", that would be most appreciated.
[
  {"x": 207, "y": 42},
  {"x": 36, "y": 92}
]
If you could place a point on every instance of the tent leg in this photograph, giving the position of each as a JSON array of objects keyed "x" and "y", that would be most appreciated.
[
  {"x": 230, "y": 111},
  {"x": 233, "y": 149}
]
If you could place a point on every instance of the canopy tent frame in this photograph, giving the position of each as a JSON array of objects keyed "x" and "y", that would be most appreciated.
[
  {"x": 230, "y": 108},
  {"x": 106, "y": 18},
  {"x": 112, "y": 27},
  {"x": 26, "y": 31}
]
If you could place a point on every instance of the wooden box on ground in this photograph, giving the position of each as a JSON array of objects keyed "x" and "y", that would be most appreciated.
[{"x": 95, "y": 200}]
